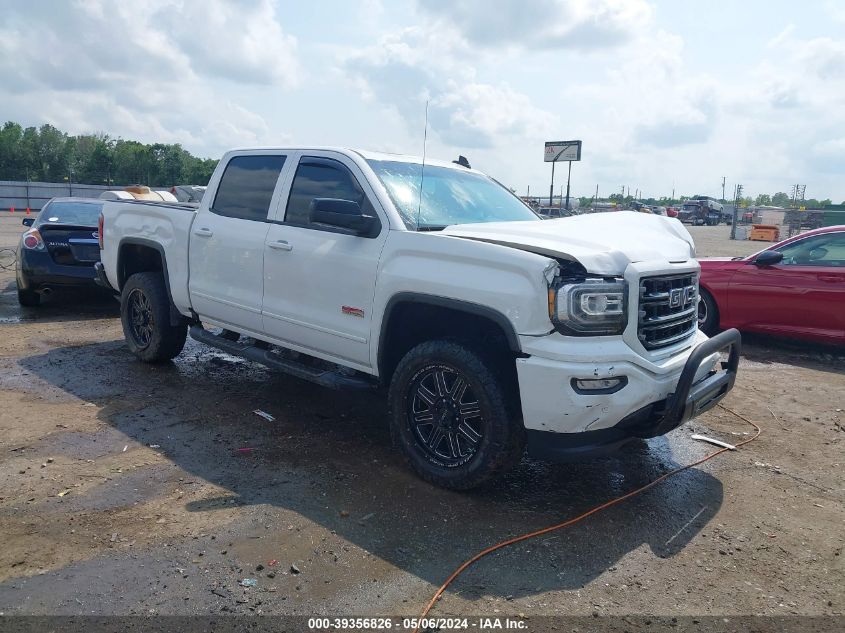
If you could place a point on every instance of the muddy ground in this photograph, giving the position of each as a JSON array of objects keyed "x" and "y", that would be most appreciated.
[{"x": 132, "y": 489}]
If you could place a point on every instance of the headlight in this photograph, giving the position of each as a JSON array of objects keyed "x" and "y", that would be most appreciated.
[{"x": 593, "y": 307}]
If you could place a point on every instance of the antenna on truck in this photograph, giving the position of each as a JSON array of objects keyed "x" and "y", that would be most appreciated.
[{"x": 422, "y": 169}]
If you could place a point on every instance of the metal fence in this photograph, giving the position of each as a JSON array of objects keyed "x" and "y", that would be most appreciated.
[{"x": 22, "y": 195}]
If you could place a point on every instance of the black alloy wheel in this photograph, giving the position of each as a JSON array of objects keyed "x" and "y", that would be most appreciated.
[
  {"x": 141, "y": 318},
  {"x": 445, "y": 415}
]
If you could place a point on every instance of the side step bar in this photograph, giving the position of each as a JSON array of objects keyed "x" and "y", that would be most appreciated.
[{"x": 331, "y": 379}]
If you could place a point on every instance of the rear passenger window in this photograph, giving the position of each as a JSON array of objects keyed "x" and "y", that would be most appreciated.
[
  {"x": 321, "y": 178},
  {"x": 246, "y": 187}
]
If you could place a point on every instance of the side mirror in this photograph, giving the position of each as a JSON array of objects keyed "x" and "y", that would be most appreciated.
[
  {"x": 28, "y": 221},
  {"x": 342, "y": 214},
  {"x": 768, "y": 258}
]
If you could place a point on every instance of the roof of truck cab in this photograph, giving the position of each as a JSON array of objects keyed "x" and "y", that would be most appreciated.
[{"x": 363, "y": 153}]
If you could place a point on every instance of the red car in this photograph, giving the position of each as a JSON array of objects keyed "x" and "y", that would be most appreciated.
[{"x": 795, "y": 288}]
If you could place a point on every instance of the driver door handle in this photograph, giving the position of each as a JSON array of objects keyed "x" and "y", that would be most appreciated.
[
  {"x": 203, "y": 232},
  {"x": 281, "y": 245},
  {"x": 830, "y": 278}
]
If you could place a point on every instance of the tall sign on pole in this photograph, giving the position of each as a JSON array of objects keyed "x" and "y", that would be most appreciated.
[{"x": 559, "y": 151}]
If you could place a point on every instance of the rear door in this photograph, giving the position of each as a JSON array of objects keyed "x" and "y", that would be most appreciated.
[
  {"x": 319, "y": 282},
  {"x": 226, "y": 253},
  {"x": 804, "y": 295}
]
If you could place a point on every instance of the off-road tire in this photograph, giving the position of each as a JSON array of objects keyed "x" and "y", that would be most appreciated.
[
  {"x": 503, "y": 440},
  {"x": 29, "y": 298},
  {"x": 708, "y": 309},
  {"x": 162, "y": 340}
]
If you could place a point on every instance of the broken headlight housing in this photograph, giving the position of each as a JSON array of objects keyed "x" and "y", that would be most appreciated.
[{"x": 592, "y": 307}]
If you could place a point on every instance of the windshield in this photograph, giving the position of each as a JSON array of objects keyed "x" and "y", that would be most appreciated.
[
  {"x": 80, "y": 213},
  {"x": 449, "y": 196}
]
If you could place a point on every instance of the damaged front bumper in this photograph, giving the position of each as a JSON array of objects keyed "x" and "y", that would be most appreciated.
[{"x": 564, "y": 423}]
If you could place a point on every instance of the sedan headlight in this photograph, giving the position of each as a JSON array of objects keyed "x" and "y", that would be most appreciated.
[{"x": 592, "y": 307}]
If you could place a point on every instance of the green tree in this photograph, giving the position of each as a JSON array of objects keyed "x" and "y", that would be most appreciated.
[
  {"x": 781, "y": 199},
  {"x": 52, "y": 154},
  {"x": 48, "y": 154},
  {"x": 763, "y": 199},
  {"x": 12, "y": 161}
]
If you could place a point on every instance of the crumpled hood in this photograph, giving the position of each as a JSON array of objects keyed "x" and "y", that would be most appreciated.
[{"x": 604, "y": 243}]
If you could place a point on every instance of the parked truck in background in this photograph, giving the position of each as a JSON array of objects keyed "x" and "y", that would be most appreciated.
[
  {"x": 702, "y": 211},
  {"x": 489, "y": 329}
]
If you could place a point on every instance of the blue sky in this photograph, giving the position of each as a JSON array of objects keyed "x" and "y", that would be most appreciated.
[{"x": 661, "y": 93}]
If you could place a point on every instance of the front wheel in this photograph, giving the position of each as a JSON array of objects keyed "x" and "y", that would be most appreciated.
[
  {"x": 145, "y": 315},
  {"x": 451, "y": 416},
  {"x": 708, "y": 314}
]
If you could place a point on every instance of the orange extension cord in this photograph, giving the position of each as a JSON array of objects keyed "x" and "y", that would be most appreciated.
[{"x": 580, "y": 517}]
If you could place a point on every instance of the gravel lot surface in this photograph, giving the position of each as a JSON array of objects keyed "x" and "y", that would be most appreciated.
[{"x": 128, "y": 489}]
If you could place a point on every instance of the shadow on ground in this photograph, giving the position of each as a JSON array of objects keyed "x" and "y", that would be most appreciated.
[
  {"x": 759, "y": 348},
  {"x": 76, "y": 304},
  {"x": 329, "y": 451}
]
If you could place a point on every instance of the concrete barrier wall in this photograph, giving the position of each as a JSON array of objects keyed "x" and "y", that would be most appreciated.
[{"x": 20, "y": 195}]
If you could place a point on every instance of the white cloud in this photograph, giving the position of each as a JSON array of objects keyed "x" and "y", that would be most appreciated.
[
  {"x": 148, "y": 70},
  {"x": 579, "y": 24},
  {"x": 824, "y": 57},
  {"x": 405, "y": 70},
  {"x": 781, "y": 37}
]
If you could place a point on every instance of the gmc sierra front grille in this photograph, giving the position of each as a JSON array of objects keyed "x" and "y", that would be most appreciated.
[{"x": 668, "y": 310}]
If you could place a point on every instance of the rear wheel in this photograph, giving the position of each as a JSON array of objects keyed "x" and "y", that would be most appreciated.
[
  {"x": 29, "y": 298},
  {"x": 708, "y": 313},
  {"x": 450, "y": 415},
  {"x": 145, "y": 315}
]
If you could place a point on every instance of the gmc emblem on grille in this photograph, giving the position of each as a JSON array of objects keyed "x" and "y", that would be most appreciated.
[{"x": 676, "y": 297}]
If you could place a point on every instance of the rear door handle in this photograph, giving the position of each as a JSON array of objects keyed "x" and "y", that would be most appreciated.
[
  {"x": 203, "y": 232},
  {"x": 281, "y": 245},
  {"x": 831, "y": 278}
]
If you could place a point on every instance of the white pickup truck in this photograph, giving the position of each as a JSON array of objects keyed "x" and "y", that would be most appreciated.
[{"x": 490, "y": 328}]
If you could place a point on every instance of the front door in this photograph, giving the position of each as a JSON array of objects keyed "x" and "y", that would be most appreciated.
[
  {"x": 804, "y": 294},
  {"x": 319, "y": 282}
]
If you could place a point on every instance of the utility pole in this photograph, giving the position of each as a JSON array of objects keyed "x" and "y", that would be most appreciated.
[
  {"x": 798, "y": 194},
  {"x": 736, "y": 210},
  {"x": 723, "y": 189},
  {"x": 568, "y": 177}
]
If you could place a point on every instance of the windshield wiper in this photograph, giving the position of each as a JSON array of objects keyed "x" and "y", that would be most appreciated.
[{"x": 432, "y": 227}]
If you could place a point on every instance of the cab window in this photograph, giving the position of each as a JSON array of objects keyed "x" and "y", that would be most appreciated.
[
  {"x": 247, "y": 186},
  {"x": 321, "y": 178}
]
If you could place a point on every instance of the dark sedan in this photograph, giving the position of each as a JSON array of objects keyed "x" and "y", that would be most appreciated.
[{"x": 59, "y": 249}]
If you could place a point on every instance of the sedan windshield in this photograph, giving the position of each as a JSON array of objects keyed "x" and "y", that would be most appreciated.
[
  {"x": 449, "y": 196},
  {"x": 70, "y": 212}
]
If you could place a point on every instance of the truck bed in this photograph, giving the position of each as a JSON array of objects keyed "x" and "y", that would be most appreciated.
[{"x": 164, "y": 226}]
